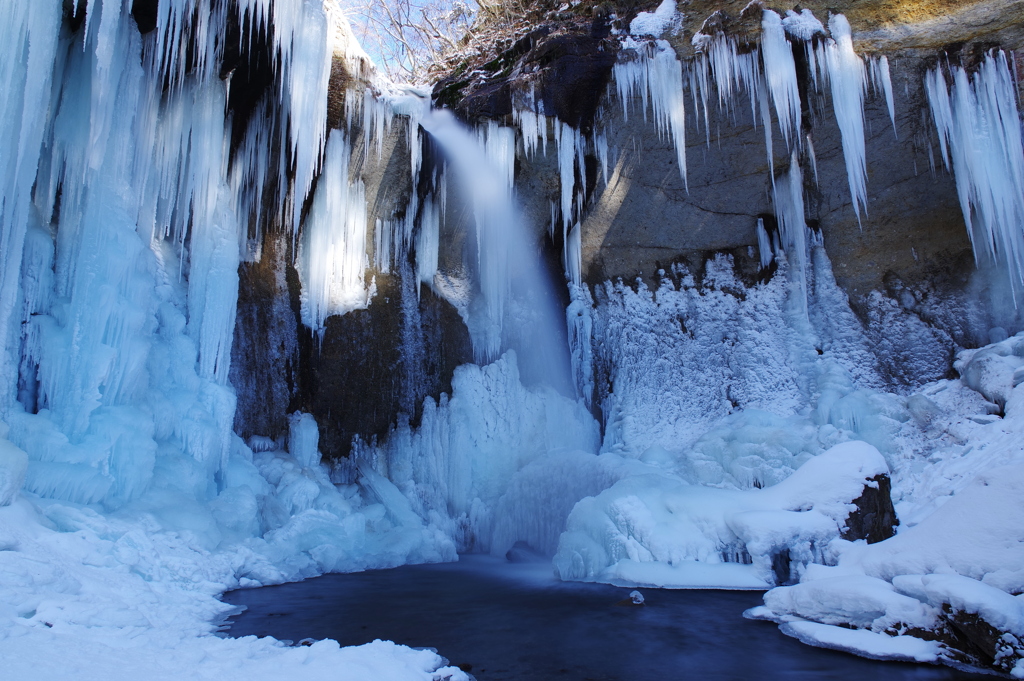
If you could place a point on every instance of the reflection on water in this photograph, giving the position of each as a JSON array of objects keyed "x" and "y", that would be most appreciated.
[{"x": 514, "y": 622}]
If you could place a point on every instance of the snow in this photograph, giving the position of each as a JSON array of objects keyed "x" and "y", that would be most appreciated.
[
  {"x": 864, "y": 643},
  {"x": 960, "y": 546},
  {"x": 803, "y": 25},
  {"x": 120, "y": 600},
  {"x": 658, "y": 22}
]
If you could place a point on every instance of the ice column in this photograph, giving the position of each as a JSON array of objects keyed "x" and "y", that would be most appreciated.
[
  {"x": 28, "y": 46},
  {"x": 332, "y": 255},
  {"x": 980, "y": 137},
  {"x": 789, "y": 212}
]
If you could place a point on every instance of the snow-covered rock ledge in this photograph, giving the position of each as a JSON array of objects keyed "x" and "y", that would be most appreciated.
[
  {"x": 949, "y": 589},
  {"x": 656, "y": 529}
]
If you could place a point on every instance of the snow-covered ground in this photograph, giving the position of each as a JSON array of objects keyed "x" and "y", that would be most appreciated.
[{"x": 88, "y": 596}]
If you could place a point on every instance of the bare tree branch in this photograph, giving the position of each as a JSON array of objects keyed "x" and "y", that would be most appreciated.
[{"x": 407, "y": 37}]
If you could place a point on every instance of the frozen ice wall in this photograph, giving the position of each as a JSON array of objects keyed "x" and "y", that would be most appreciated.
[{"x": 128, "y": 199}]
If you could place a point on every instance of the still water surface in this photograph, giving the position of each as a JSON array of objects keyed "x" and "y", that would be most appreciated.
[{"x": 514, "y": 622}]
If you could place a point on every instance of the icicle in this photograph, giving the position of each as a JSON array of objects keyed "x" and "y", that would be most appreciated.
[
  {"x": 601, "y": 145},
  {"x": 788, "y": 197},
  {"x": 658, "y": 74},
  {"x": 428, "y": 242},
  {"x": 532, "y": 124},
  {"x": 29, "y": 36},
  {"x": 883, "y": 81},
  {"x": 569, "y": 144},
  {"x": 813, "y": 157},
  {"x": 780, "y": 75},
  {"x": 980, "y": 139},
  {"x": 847, "y": 76},
  {"x": 580, "y": 324},
  {"x": 573, "y": 256},
  {"x": 764, "y": 245},
  {"x": 306, "y": 74},
  {"x": 332, "y": 253}
]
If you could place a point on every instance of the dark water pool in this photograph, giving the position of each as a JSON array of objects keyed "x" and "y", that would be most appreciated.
[{"x": 508, "y": 622}]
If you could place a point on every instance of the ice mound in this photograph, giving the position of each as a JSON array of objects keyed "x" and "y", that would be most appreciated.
[{"x": 13, "y": 465}]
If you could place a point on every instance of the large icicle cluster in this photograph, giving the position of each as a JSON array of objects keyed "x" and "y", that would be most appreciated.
[
  {"x": 980, "y": 137},
  {"x": 128, "y": 201},
  {"x": 135, "y": 190},
  {"x": 332, "y": 255},
  {"x": 650, "y": 72}
]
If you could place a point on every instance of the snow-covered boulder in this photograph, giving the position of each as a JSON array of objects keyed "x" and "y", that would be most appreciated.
[
  {"x": 656, "y": 529},
  {"x": 951, "y": 582}
]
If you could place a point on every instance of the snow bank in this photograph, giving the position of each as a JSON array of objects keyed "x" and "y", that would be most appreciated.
[{"x": 864, "y": 643}]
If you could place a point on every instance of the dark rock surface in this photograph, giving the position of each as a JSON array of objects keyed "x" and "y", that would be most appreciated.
[
  {"x": 265, "y": 356},
  {"x": 567, "y": 73},
  {"x": 875, "y": 518}
]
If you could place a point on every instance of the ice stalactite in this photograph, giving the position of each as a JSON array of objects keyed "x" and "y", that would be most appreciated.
[
  {"x": 733, "y": 73},
  {"x": 580, "y": 323},
  {"x": 532, "y": 124},
  {"x": 570, "y": 145},
  {"x": 980, "y": 137},
  {"x": 881, "y": 80},
  {"x": 780, "y": 75},
  {"x": 332, "y": 258},
  {"x": 656, "y": 76},
  {"x": 767, "y": 244},
  {"x": 847, "y": 76}
]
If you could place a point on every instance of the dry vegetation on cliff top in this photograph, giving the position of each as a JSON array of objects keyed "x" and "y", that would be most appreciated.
[{"x": 877, "y": 24}]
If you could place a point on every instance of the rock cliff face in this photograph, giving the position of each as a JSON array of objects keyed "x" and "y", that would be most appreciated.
[
  {"x": 906, "y": 265},
  {"x": 908, "y": 261}
]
